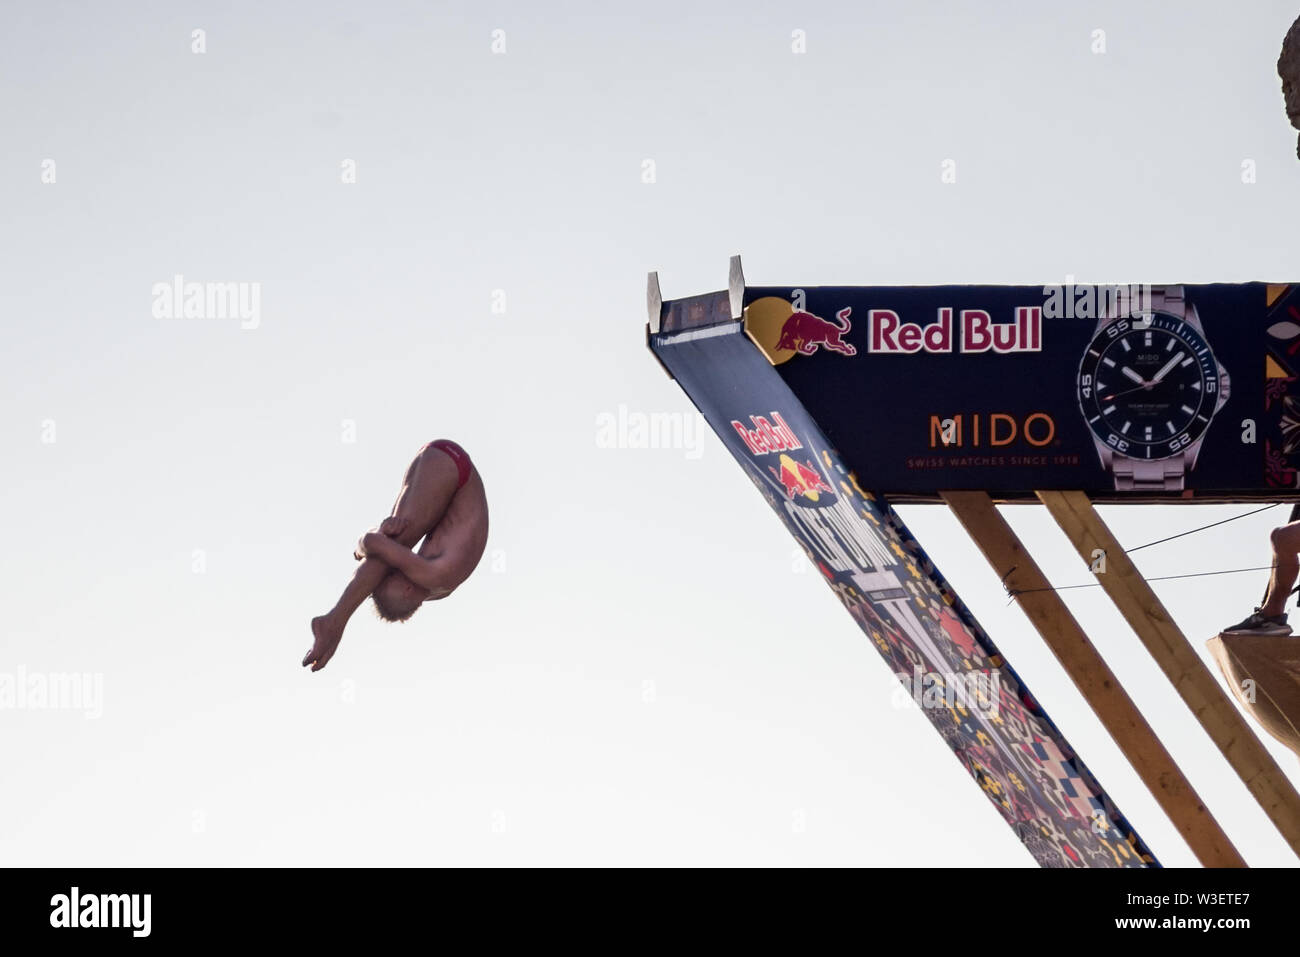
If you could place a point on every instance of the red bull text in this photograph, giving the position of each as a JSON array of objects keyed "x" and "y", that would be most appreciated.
[{"x": 765, "y": 437}]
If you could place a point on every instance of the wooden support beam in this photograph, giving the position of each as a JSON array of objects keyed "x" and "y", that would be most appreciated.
[
  {"x": 1155, "y": 627},
  {"x": 1095, "y": 681}
]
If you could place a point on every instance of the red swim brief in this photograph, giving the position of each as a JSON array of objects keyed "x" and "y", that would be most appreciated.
[{"x": 458, "y": 455}]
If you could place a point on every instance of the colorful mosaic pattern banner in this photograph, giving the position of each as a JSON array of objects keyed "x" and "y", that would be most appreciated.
[
  {"x": 928, "y": 638},
  {"x": 1281, "y": 393}
]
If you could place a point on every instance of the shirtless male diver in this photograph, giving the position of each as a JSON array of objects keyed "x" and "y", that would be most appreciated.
[{"x": 442, "y": 501}]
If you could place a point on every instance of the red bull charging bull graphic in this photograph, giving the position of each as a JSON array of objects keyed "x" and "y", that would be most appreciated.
[
  {"x": 805, "y": 333},
  {"x": 1017, "y": 758},
  {"x": 799, "y": 478}
]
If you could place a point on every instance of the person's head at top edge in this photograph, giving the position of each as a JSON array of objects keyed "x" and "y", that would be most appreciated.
[{"x": 1288, "y": 68}]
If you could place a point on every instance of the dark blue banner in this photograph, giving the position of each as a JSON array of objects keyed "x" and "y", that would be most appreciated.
[{"x": 1124, "y": 392}]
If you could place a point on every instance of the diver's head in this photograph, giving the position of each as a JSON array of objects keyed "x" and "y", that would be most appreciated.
[{"x": 398, "y": 598}]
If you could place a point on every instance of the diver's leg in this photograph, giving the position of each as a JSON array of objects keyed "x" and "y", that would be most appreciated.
[
  {"x": 427, "y": 490},
  {"x": 365, "y": 580},
  {"x": 1286, "y": 566}
]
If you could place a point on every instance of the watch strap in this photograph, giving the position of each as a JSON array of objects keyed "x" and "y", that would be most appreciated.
[
  {"x": 1161, "y": 299},
  {"x": 1158, "y": 475}
]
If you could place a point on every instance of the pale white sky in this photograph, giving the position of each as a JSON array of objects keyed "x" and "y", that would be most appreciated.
[{"x": 641, "y": 672}]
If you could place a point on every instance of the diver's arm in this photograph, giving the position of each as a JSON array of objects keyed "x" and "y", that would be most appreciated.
[{"x": 430, "y": 573}]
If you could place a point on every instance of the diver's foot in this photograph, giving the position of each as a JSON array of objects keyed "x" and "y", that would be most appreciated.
[
  {"x": 327, "y": 636},
  {"x": 1258, "y": 624}
]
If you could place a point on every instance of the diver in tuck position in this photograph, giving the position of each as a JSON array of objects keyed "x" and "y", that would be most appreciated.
[{"x": 442, "y": 501}]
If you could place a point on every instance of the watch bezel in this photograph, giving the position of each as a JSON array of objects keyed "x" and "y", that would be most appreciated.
[{"x": 1138, "y": 449}]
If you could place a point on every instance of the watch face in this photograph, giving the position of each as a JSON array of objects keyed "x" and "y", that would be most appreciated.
[{"x": 1148, "y": 385}]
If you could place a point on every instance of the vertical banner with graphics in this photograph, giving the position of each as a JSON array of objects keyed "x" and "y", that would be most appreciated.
[{"x": 928, "y": 638}]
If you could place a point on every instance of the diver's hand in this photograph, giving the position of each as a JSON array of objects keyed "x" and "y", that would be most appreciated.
[
  {"x": 366, "y": 543},
  {"x": 394, "y": 526}
]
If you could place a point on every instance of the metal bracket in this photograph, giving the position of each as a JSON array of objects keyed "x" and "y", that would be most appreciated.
[
  {"x": 736, "y": 288},
  {"x": 654, "y": 301}
]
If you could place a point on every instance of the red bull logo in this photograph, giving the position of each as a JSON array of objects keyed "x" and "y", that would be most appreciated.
[
  {"x": 800, "y": 478},
  {"x": 766, "y": 437},
  {"x": 783, "y": 328},
  {"x": 805, "y": 333}
]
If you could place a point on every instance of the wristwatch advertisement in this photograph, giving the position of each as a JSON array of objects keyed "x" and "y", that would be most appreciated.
[
  {"x": 1126, "y": 392},
  {"x": 1149, "y": 387}
]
